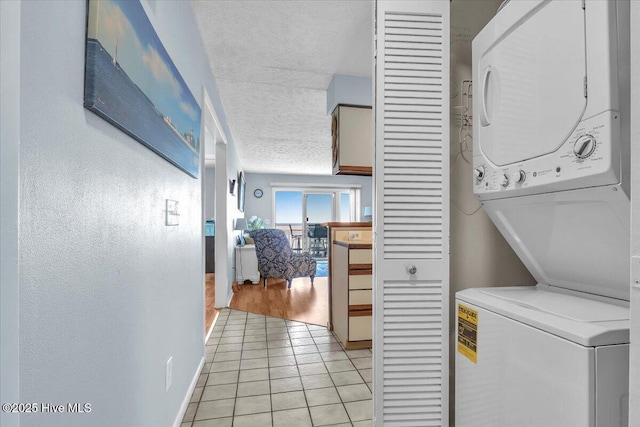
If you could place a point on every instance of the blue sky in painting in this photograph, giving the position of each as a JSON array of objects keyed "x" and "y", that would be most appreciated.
[{"x": 142, "y": 56}]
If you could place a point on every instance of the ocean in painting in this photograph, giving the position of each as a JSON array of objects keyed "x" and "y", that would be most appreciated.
[
  {"x": 112, "y": 94},
  {"x": 131, "y": 81}
]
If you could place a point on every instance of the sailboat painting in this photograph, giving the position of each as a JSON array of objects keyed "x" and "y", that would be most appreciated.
[{"x": 131, "y": 82}]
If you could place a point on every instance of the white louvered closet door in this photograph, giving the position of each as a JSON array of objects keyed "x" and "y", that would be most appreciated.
[{"x": 411, "y": 178}]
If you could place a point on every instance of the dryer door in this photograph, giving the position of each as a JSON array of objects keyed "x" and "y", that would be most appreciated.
[{"x": 530, "y": 94}]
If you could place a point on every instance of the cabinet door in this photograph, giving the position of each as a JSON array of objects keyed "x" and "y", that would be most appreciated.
[
  {"x": 411, "y": 269},
  {"x": 352, "y": 133},
  {"x": 360, "y": 281},
  {"x": 360, "y": 297},
  {"x": 359, "y": 328}
]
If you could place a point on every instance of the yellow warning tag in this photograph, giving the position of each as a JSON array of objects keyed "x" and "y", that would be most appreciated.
[{"x": 468, "y": 333}]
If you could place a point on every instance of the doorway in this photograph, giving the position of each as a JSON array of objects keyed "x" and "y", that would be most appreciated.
[
  {"x": 318, "y": 208},
  {"x": 213, "y": 166},
  {"x": 300, "y": 213}
]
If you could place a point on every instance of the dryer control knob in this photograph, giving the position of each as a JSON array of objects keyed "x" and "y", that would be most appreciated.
[
  {"x": 519, "y": 177},
  {"x": 479, "y": 173},
  {"x": 505, "y": 180},
  {"x": 584, "y": 146}
]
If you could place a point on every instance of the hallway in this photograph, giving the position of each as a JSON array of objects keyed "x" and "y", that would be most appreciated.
[{"x": 263, "y": 371}]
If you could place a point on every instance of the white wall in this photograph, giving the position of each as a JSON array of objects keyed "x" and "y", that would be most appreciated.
[
  {"x": 210, "y": 193},
  {"x": 263, "y": 207},
  {"x": 352, "y": 90},
  {"x": 634, "y": 378},
  {"x": 226, "y": 214},
  {"x": 480, "y": 256},
  {"x": 107, "y": 292},
  {"x": 9, "y": 207}
]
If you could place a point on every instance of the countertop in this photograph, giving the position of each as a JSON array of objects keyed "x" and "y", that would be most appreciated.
[
  {"x": 353, "y": 244},
  {"x": 347, "y": 224}
]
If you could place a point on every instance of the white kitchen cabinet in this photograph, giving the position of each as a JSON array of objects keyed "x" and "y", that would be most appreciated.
[
  {"x": 352, "y": 140},
  {"x": 351, "y": 293}
]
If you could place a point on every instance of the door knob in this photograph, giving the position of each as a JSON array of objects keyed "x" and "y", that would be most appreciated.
[{"x": 413, "y": 269}]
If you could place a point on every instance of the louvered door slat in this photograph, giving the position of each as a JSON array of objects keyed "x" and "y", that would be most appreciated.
[{"x": 411, "y": 225}]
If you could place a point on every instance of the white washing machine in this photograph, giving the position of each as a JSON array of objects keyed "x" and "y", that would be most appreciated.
[
  {"x": 551, "y": 162},
  {"x": 542, "y": 359}
]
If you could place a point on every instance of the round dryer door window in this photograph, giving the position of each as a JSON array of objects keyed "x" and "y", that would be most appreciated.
[{"x": 529, "y": 83}]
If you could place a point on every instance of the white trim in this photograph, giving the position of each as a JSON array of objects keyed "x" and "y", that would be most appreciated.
[
  {"x": 216, "y": 121},
  {"x": 212, "y": 122},
  {"x": 290, "y": 185},
  {"x": 203, "y": 197},
  {"x": 230, "y": 298},
  {"x": 213, "y": 324},
  {"x": 185, "y": 402},
  {"x": 634, "y": 373},
  {"x": 355, "y": 193}
]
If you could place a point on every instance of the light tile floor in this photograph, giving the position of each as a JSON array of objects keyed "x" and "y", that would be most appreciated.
[{"x": 262, "y": 371}]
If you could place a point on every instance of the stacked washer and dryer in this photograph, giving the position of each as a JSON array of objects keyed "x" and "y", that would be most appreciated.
[{"x": 551, "y": 162}]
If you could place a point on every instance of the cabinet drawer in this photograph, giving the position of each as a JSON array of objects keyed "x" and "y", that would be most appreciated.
[
  {"x": 360, "y": 256},
  {"x": 360, "y": 281},
  {"x": 362, "y": 297},
  {"x": 360, "y": 328}
]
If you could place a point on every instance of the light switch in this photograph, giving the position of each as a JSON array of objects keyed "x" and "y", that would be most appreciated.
[{"x": 172, "y": 214}]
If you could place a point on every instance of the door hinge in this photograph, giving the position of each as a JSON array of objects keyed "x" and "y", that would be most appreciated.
[
  {"x": 585, "y": 86},
  {"x": 584, "y": 6}
]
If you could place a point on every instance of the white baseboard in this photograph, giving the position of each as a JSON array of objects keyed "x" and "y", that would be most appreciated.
[
  {"x": 215, "y": 319},
  {"x": 187, "y": 398},
  {"x": 230, "y": 298}
]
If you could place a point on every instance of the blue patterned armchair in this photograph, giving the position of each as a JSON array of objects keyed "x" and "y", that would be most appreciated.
[{"x": 276, "y": 259}]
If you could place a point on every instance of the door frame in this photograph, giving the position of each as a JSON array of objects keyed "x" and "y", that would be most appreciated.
[
  {"x": 354, "y": 189},
  {"x": 305, "y": 213},
  {"x": 211, "y": 124},
  {"x": 634, "y": 377}
]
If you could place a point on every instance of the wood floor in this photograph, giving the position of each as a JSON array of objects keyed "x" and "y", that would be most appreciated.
[
  {"x": 303, "y": 302},
  {"x": 209, "y": 301}
]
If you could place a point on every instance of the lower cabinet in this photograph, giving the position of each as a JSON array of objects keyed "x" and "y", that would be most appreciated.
[
  {"x": 247, "y": 264},
  {"x": 351, "y": 293}
]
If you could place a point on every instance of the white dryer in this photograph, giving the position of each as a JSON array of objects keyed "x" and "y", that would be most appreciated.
[{"x": 551, "y": 162}]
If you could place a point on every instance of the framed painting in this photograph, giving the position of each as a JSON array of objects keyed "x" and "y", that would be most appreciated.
[{"x": 131, "y": 82}]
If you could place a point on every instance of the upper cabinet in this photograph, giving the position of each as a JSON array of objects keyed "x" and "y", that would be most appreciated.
[{"x": 352, "y": 140}]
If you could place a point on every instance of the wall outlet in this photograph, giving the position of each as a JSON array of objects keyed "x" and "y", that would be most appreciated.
[
  {"x": 355, "y": 235},
  {"x": 168, "y": 374}
]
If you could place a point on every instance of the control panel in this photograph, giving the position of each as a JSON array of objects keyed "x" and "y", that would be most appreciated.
[{"x": 585, "y": 159}]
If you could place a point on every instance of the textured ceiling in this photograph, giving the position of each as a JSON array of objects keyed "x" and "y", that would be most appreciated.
[{"x": 273, "y": 61}]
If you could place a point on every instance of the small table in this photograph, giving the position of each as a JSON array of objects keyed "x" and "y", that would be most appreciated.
[{"x": 247, "y": 264}]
